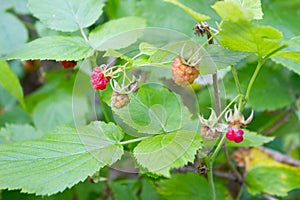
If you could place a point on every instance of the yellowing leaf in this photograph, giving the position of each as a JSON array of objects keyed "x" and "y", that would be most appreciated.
[{"x": 267, "y": 175}]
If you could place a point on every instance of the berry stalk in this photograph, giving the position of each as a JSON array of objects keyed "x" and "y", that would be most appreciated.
[
  {"x": 103, "y": 107},
  {"x": 260, "y": 63}
]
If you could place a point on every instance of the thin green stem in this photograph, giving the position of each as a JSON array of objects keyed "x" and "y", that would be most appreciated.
[
  {"x": 103, "y": 107},
  {"x": 209, "y": 163},
  {"x": 238, "y": 86},
  {"x": 253, "y": 78},
  {"x": 275, "y": 51},
  {"x": 218, "y": 148},
  {"x": 236, "y": 79},
  {"x": 134, "y": 140},
  {"x": 239, "y": 195},
  {"x": 260, "y": 63},
  {"x": 217, "y": 93}
]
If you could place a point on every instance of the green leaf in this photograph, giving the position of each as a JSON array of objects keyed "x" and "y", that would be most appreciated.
[
  {"x": 13, "y": 33},
  {"x": 189, "y": 186},
  {"x": 254, "y": 6},
  {"x": 195, "y": 15},
  {"x": 273, "y": 180},
  {"x": 295, "y": 56},
  {"x": 43, "y": 31},
  {"x": 267, "y": 83},
  {"x": 147, "y": 49},
  {"x": 251, "y": 139},
  {"x": 282, "y": 15},
  {"x": 150, "y": 10},
  {"x": 153, "y": 110},
  {"x": 66, "y": 15},
  {"x": 290, "y": 57},
  {"x": 235, "y": 10},
  {"x": 148, "y": 191},
  {"x": 248, "y": 37},
  {"x": 288, "y": 62},
  {"x": 54, "y": 48},
  {"x": 54, "y": 111},
  {"x": 10, "y": 82},
  {"x": 19, "y": 6},
  {"x": 117, "y": 34},
  {"x": 232, "y": 11},
  {"x": 116, "y": 54},
  {"x": 123, "y": 192},
  {"x": 215, "y": 57},
  {"x": 85, "y": 190},
  {"x": 15, "y": 115},
  {"x": 185, "y": 186},
  {"x": 160, "y": 153},
  {"x": 115, "y": 9},
  {"x": 60, "y": 159},
  {"x": 18, "y": 132}
]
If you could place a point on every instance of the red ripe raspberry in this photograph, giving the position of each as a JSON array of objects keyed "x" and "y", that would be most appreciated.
[
  {"x": 235, "y": 135},
  {"x": 68, "y": 64},
  {"x": 183, "y": 74},
  {"x": 230, "y": 135},
  {"x": 98, "y": 80},
  {"x": 119, "y": 100},
  {"x": 239, "y": 136}
]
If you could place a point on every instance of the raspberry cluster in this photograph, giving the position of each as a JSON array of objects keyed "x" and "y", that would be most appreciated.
[
  {"x": 98, "y": 79},
  {"x": 235, "y": 135},
  {"x": 183, "y": 74},
  {"x": 68, "y": 64}
]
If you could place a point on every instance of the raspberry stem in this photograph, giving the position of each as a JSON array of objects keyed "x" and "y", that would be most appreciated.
[
  {"x": 103, "y": 106},
  {"x": 238, "y": 86},
  {"x": 133, "y": 140},
  {"x": 260, "y": 63},
  {"x": 217, "y": 94}
]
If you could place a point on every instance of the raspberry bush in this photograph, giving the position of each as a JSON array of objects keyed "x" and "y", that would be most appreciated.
[{"x": 162, "y": 99}]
